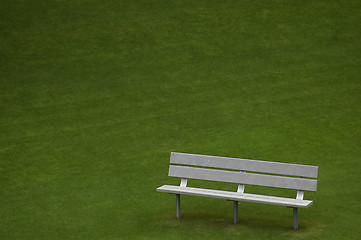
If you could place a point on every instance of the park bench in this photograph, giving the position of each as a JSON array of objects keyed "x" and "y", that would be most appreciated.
[{"x": 242, "y": 172}]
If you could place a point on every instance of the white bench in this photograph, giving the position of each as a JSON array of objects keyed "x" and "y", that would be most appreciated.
[{"x": 241, "y": 172}]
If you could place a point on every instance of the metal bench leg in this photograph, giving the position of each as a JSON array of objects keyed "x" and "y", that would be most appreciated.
[
  {"x": 178, "y": 206},
  {"x": 235, "y": 210},
  {"x": 295, "y": 218}
]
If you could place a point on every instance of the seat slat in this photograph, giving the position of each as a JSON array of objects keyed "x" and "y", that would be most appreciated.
[
  {"x": 243, "y": 178},
  {"x": 244, "y": 164},
  {"x": 233, "y": 196}
]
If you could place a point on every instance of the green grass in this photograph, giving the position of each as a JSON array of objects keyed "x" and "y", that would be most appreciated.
[{"x": 94, "y": 95}]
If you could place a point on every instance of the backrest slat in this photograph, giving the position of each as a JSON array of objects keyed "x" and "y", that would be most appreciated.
[
  {"x": 243, "y": 178},
  {"x": 244, "y": 164}
]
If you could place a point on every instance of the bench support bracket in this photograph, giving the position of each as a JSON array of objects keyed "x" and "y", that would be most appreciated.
[
  {"x": 177, "y": 196},
  {"x": 295, "y": 218},
  {"x": 235, "y": 212}
]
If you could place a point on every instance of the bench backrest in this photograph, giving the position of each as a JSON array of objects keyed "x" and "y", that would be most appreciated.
[{"x": 203, "y": 167}]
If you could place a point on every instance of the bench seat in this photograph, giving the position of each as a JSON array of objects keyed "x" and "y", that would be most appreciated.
[
  {"x": 234, "y": 196},
  {"x": 241, "y": 172}
]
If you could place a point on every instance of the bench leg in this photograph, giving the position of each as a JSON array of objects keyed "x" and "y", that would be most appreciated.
[
  {"x": 295, "y": 218},
  {"x": 235, "y": 212},
  {"x": 178, "y": 206}
]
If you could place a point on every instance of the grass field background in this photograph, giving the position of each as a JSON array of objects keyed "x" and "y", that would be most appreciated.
[{"x": 94, "y": 95}]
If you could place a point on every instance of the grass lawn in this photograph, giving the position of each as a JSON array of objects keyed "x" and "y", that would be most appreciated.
[{"x": 94, "y": 95}]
